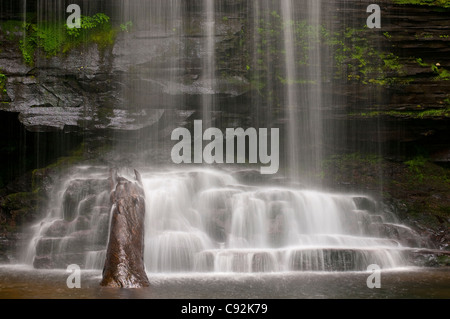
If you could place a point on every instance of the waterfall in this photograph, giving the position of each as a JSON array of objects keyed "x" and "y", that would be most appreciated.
[
  {"x": 210, "y": 219},
  {"x": 304, "y": 103},
  {"x": 291, "y": 92},
  {"x": 203, "y": 220},
  {"x": 76, "y": 226},
  {"x": 207, "y": 221},
  {"x": 209, "y": 65}
]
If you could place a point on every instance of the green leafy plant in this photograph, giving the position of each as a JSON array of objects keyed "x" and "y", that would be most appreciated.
[
  {"x": 359, "y": 61},
  {"x": 125, "y": 27},
  {"x": 10, "y": 27},
  {"x": 29, "y": 42},
  {"x": 442, "y": 73},
  {"x": 3, "y": 81},
  {"x": 53, "y": 38},
  {"x": 421, "y": 63},
  {"x": 97, "y": 21}
]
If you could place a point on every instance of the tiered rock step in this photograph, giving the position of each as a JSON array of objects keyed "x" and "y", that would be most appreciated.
[
  {"x": 424, "y": 257},
  {"x": 82, "y": 231},
  {"x": 314, "y": 259}
]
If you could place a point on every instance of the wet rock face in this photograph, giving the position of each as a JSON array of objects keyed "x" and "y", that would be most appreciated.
[
  {"x": 81, "y": 197},
  {"x": 127, "y": 87},
  {"x": 82, "y": 228},
  {"x": 124, "y": 265}
]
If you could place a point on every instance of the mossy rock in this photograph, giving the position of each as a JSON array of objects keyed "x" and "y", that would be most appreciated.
[
  {"x": 18, "y": 209},
  {"x": 19, "y": 201},
  {"x": 433, "y": 3},
  {"x": 444, "y": 260}
]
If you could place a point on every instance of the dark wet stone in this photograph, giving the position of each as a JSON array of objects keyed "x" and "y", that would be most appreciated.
[
  {"x": 47, "y": 246},
  {"x": 364, "y": 203},
  {"x": 406, "y": 236},
  {"x": 43, "y": 262},
  {"x": 81, "y": 196},
  {"x": 57, "y": 229},
  {"x": 82, "y": 223}
]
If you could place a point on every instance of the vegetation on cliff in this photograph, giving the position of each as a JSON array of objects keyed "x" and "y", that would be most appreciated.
[
  {"x": 53, "y": 38},
  {"x": 436, "y": 3},
  {"x": 359, "y": 59},
  {"x": 3, "y": 93}
]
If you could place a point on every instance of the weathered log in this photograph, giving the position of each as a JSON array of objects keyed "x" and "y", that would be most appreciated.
[{"x": 124, "y": 265}]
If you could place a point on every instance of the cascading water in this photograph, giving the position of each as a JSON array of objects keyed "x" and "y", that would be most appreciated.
[
  {"x": 200, "y": 220},
  {"x": 291, "y": 76},
  {"x": 76, "y": 227},
  {"x": 304, "y": 104},
  {"x": 207, "y": 221},
  {"x": 209, "y": 65}
]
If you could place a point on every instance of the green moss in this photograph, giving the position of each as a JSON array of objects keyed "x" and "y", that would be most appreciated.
[
  {"x": 18, "y": 209},
  {"x": 67, "y": 161},
  {"x": 434, "y": 113},
  {"x": 421, "y": 63},
  {"x": 443, "y": 260},
  {"x": 3, "y": 81},
  {"x": 10, "y": 28},
  {"x": 96, "y": 29},
  {"x": 416, "y": 165},
  {"x": 29, "y": 44},
  {"x": 19, "y": 201},
  {"x": 357, "y": 60},
  {"x": 54, "y": 38},
  {"x": 435, "y": 3},
  {"x": 126, "y": 27},
  {"x": 442, "y": 73}
]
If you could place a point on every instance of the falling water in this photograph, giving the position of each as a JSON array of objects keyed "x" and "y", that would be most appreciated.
[
  {"x": 209, "y": 65},
  {"x": 304, "y": 103},
  {"x": 292, "y": 98},
  {"x": 76, "y": 226},
  {"x": 208, "y": 221},
  {"x": 211, "y": 220}
]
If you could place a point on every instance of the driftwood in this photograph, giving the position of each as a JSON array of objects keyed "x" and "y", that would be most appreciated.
[{"x": 124, "y": 265}]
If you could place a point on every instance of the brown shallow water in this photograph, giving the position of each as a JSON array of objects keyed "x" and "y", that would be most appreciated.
[{"x": 22, "y": 282}]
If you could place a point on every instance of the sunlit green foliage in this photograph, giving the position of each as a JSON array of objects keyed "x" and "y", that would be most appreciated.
[{"x": 54, "y": 38}]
